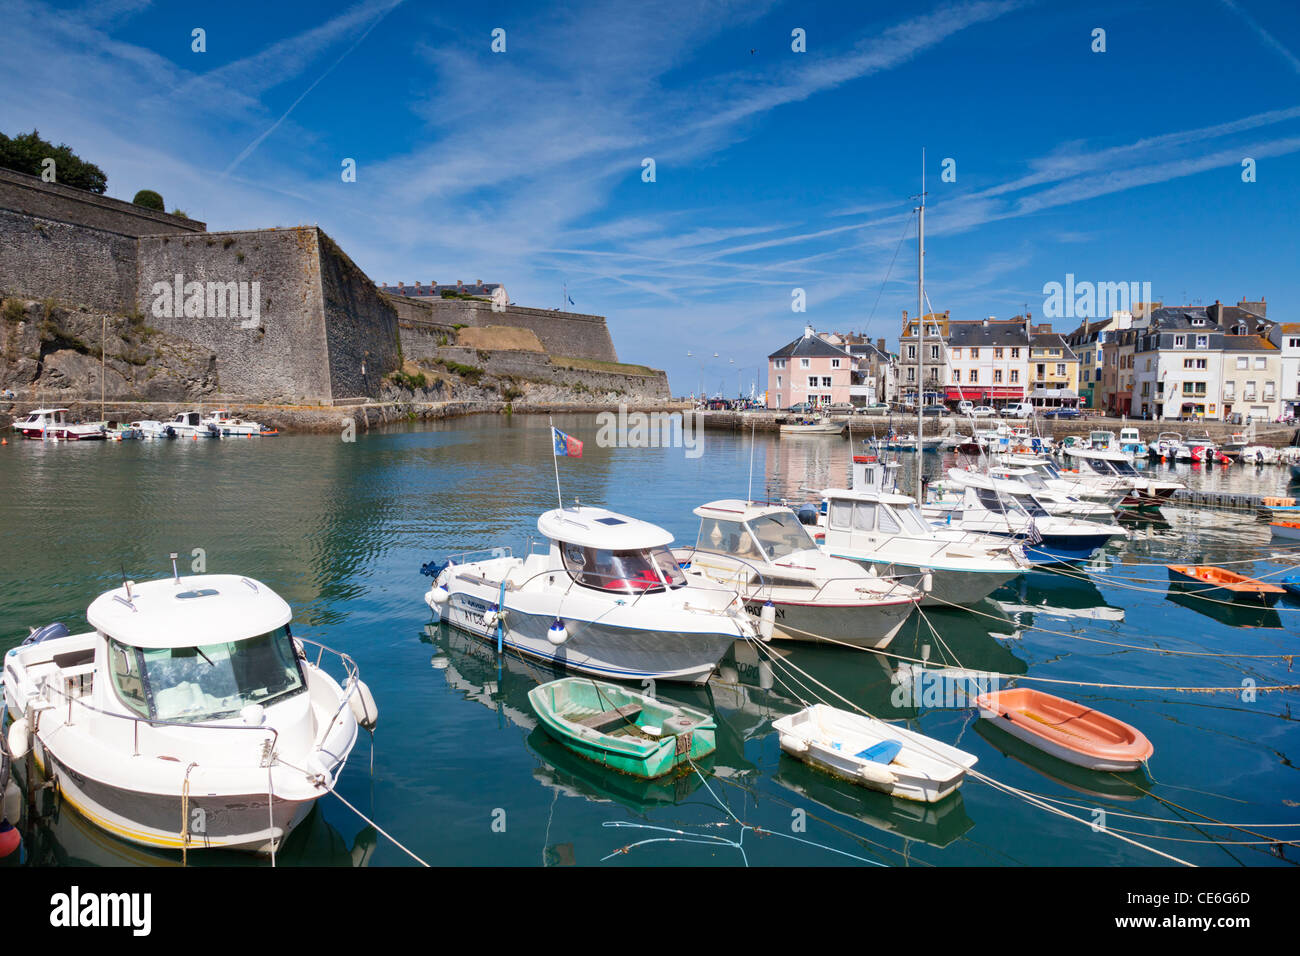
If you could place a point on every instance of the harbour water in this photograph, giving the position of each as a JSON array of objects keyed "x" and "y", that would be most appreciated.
[{"x": 462, "y": 775}]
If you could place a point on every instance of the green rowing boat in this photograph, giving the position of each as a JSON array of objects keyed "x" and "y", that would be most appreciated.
[{"x": 620, "y": 729}]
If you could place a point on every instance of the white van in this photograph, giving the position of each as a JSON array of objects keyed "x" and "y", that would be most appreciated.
[
  {"x": 965, "y": 408},
  {"x": 1018, "y": 410}
]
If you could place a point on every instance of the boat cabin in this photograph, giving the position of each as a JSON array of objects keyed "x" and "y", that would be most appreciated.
[
  {"x": 857, "y": 519},
  {"x": 755, "y": 533},
  {"x": 607, "y": 551},
  {"x": 193, "y": 419},
  {"x": 40, "y": 419},
  {"x": 193, "y": 649}
]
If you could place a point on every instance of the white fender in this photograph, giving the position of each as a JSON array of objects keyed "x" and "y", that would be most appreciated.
[
  {"x": 877, "y": 774},
  {"x": 490, "y": 618},
  {"x": 767, "y": 620},
  {"x": 793, "y": 745},
  {"x": 20, "y": 738},
  {"x": 363, "y": 705},
  {"x": 439, "y": 595},
  {"x": 927, "y": 582},
  {"x": 558, "y": 633}
]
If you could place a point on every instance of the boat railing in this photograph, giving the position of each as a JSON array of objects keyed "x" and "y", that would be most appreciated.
[
  {"x": 465, "y": 557},
  {"x": 351, "y": 679},
  {"x": 136, "y": 720}
]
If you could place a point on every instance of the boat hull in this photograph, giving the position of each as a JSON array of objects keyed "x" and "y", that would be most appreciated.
[
  {"x": 1267, "y": 595},
  {"x": 231, "y": 821},
  {"x": 1066, "y": 730},
  {"x": 871, "y": 625},
  {"x": 592, "y": 647},
  {"x": 949, "y": 586}
]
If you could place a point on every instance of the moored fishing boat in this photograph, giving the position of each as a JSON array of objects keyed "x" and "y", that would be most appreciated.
[
  {"x": 53, "y": 424},
  {"x": 621, "y": 729},
  {"x": 766, "y": 552},
  {"x": 873, "y": 754},
  {"x": 606, "y": 598},
  {"x": 1067, "y": 730},
  {"x": 1221, "y": 584},
  {"x": 813, "y": 426},
  {"x": 189, "y": 718}
]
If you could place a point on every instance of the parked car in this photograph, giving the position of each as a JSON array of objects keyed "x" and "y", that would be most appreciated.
[
  {"x": 840, "y": 408},
  {"x": 935, "y": 410},
  {"x": 984, "y": 411},
  {"x": 1062, "y": 412},
  {"x": 965, "y": 408},
  {"x": 879, "y": 408},
  {"x": 1018, "y": 410},
  {"x": 803, "y": 408}
]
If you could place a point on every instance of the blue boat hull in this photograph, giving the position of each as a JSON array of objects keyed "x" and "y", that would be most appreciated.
[{"x": 1062, "y": 549}]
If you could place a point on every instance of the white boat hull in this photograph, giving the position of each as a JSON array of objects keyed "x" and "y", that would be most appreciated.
[
  {"x": 871, "y": 626},
  {"x": 592, "y": 647}
]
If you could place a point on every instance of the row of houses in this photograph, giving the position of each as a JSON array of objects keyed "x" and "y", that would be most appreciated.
[
  {"x": 1218, "y": 362},
  {"x": 1214, "y": 362},
  {"x": 986, "y": 362}
]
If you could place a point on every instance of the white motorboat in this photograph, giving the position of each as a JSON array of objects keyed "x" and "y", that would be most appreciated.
[
  {"x": 52, "y": 424},
  {"x": 1009, "y": 509},
  {"x": 873, "y": 754},
  {"x": 1054, "y": 502},
  {"x": 192, "y": 425},
  {"x": 767, "y": 553},
  {"x": 230, "y": 426},
  {"x": 1141, "y": 491},
  {"x": 1086, "y": 485},
  {"x": 813, "y": 426},
  {"x": 606, "y": 598},
  {"x": 1166, "y": 446},
  {"x": 151, "y": 429},
  {"x": 189, "y": 717},
  {"x": 886, "y": 531}
]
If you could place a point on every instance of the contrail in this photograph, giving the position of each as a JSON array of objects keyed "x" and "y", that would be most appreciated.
[
  {"x": 1264, "y": 35},
  {"x": 248, "y": 150}
]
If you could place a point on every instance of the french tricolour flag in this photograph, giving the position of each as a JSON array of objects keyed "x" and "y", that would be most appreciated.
[{"x": 566, "y": 445}]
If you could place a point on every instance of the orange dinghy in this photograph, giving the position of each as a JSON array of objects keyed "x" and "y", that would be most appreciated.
[
  {"x": 1222, "y": 585},
  {"x": 1285, "y": 529},
  {"x": 1064, "y": 729}
]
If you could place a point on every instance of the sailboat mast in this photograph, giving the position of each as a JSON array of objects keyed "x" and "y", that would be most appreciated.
[{"x": 920, "y": 335}]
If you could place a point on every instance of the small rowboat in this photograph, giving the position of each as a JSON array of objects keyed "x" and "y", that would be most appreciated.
[
  {"x": 873, "y": 754},
  {"x": 1064, "y": 729},
  {"x": 621, "y": 729},
  {"x": 1222, "y": 585},
  {"x": 1291, "y": 583},
  {"x": 1285, "y": 529}
]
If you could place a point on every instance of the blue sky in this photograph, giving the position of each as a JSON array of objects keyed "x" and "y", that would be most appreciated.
[{"x": 774, "y": 169}]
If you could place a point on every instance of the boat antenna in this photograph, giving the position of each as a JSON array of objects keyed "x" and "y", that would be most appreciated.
[
  {"x": 175, "y": 572},
  {"x": 125, "y": 583}
]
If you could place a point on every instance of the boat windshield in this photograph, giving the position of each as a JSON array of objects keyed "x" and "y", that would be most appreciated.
[
  {"x": 991, "y": 500},
  {"x": 629, "y": 572},
  {"x": 1123, "y": 468},
  {"x": 1099, "y": 465},
  {"x": 1029, "y": 504},
  {"x": 913, "y": 521},
  {"x": 780, "y": 534},
  {"x": 208, "y": 682}
]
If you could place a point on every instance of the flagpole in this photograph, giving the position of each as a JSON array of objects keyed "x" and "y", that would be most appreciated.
[{"x": 556, "y": 462}]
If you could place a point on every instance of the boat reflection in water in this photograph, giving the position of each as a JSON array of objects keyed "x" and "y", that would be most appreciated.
[
  {"x": 1094, "y": 783},
  {"x": 936, "y": 824},
  {"x": 1233, "y": 614},
  {"x": 1063, "y": 594}
]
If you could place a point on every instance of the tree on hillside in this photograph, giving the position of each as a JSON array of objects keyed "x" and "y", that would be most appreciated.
[
  {"x": 25, "y": 152},
  {"x": 150, "y": 200}
]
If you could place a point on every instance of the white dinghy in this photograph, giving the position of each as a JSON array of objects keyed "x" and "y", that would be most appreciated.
[
  {"x": 189, "y": 717},
  {"x": 874, "y": 754}
]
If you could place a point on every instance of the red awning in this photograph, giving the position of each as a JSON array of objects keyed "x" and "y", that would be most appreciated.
[{"x": 975, "y": 393}]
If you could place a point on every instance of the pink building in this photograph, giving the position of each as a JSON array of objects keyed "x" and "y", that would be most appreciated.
[{"x": 809, "y": 369}]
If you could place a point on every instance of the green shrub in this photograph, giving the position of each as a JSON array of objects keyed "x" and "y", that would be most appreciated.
[
  {"x": 14, "y": 310},
  {"x": 149, "y": 200}
]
